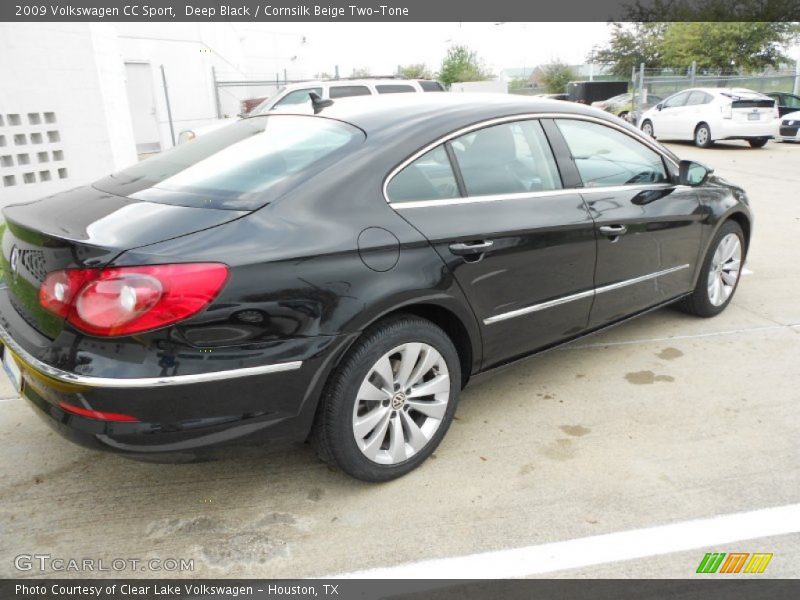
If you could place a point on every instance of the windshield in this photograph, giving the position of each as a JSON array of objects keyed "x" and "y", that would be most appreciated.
[{"x": 242, "y": 166}]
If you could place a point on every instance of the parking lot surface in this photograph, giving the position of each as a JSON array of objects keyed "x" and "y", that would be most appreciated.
[{"x": 663, "y": 420}]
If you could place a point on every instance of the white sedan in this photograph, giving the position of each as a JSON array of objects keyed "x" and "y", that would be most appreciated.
[
  {"x": 705, "y": 115},
  {"x": 790, "y": 127}
]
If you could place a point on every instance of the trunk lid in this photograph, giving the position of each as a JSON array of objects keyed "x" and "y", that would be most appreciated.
[{"x": 83, "y": 228}]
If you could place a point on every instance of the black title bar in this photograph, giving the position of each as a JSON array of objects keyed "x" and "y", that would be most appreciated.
[{"x": 398, "y": 10}]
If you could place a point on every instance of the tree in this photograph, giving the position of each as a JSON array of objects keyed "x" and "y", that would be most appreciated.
[
  {"x": 632, "y": 44},
  {"x": 727, "y": 47},
  {"x": 462, "y": 64},
  {"x": 519, "y": 83},
  {"x": 556, "y": 76},
  {"x": 415, "y": 71}
]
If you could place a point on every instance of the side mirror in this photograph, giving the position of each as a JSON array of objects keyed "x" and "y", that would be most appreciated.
[
  {"x": 659, "y": 106},
  {"x": 693, "y": 173}
]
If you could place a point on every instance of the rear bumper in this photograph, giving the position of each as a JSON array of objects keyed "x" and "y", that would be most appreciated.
[
  {"x": 182, "y": 417},
  {"x": 732, "y": 130}
]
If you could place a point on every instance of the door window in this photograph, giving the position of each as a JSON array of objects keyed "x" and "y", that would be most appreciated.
[
  {"x": 512, "y": 158},
  {"x": 298, "y": 96},
  {"x": 676, "y": 100},
  {"x": 791, "y": 101},
  {"x": 345, "y": 91},
  {"x": 696, "y": 98},
  {"x": 605, "y": 156},
  {"x": 430, "y": 177}
]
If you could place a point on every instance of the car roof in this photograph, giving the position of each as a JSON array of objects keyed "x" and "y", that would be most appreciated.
[
  {"x": 375, "y": 113},
  {"x": 376, "y": 81},
  {"x": 730, "y": 90}
]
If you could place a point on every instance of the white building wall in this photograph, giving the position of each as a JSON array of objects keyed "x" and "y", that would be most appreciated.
[{"x": 57, "y": 103}]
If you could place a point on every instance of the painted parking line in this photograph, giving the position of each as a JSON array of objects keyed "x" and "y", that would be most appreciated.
[
  {"x": 600, "y": 549},
  {"x": 9, "y": 399}
]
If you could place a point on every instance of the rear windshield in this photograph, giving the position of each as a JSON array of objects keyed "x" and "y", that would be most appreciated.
[{"x": 242, "y": 166}]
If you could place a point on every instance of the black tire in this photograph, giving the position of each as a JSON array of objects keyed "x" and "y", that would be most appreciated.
[
  {"x": 757, "y": 142},
  {"x": 702, "y": 136},
  {"x": 333, "y": 436},
  {"x": 624, "y": 115},
  {"x": 647, "y": 128},
  {"x": 699, "y": 303}
]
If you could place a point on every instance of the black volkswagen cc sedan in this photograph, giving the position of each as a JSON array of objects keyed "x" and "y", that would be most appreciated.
[{"x": 340, "y": 276}]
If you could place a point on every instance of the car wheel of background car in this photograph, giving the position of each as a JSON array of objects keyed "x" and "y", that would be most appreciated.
[
  {"x": 758, "y": 142},
  {"x": 624, "y": 115},
  {"x": 390, "y": 401},
  {"x": 719, "y": 274},
  {"x": 702, "y": 136},
  {"x": 647, "y": 128}
]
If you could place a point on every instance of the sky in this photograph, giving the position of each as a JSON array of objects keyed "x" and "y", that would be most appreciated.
[{"x": 309, "y": 48}]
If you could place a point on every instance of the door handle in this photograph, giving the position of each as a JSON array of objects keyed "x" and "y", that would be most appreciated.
[
  {"x": 613, "y": 230},
  {"x": 463, "y": 249}
]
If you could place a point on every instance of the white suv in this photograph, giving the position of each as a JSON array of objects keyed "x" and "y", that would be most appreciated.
[
  {"x": 289, "y": 97},
  {"x": 706, "y": 115}
]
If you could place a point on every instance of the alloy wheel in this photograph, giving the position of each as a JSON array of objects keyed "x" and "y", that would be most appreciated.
[
  {"x": 725, "y": 268},
  {"x": 701, "y": 137},
  {"x": 647, "y": 128},
  {"x": 401, "y": 403}
]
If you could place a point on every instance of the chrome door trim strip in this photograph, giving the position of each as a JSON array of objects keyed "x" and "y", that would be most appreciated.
[
  {"x": 525, "y": 195},
  {"x": 145, "y": 382},
  {"x": 580, "y": 295},
  {"x": 510, "y": 118}
]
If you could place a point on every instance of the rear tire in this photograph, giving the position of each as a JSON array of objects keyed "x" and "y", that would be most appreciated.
[
  {"x": 757, "y": 142},
  {"x": 719, "y": 274},
  {"x": 376, "y": 430},
  {"x": 702, "y": 136}
]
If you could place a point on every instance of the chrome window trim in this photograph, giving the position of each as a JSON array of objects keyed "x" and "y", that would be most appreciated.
[
  {"x": 146, "y": 382},
  {"x": 525, "y": 195},
  {"x": 580, "y": 295},
  {"x": 508, "y": 119}
]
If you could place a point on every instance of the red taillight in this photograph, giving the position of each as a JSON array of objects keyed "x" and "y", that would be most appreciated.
[
  {"x": 96, "y": 414},
  {"x": 127, "y": 300}
]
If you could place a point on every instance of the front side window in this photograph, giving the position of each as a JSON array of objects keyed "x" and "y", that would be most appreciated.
[
  {"x": 345, "y": 91},
  {"x": 430, "y": 177},
  {"x": 512, "y": 158},
  {"x": 605, "y": 156},
  {"x": 240, "y": 166},
  {"x": 676, "y": 100},
  {"x": 394, "y": 89},
  {"x": 298, "y": 96}
]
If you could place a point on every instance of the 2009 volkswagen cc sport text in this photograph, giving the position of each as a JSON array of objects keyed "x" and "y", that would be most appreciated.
[{"x": 339, "y": 276}]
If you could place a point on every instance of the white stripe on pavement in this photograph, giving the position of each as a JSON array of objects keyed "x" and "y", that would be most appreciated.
[{"x": 599, "y": 549}]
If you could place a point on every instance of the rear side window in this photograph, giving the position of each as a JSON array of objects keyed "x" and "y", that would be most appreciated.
[
  {"x": 430, "y": 86},
  {"x": 298, "y": 96},
  {"x": 345, "y": 91},
  {"x": 430, "y": 177},
  {"x": 676, "y": 100},
  {"x": 605, "y": 156},
  {"x": 242, "y": 166},
  {"x": 791, "y": 101},
  {"x": 512, "y": 158},
  {"x": 696, "y": 98},
  {"x": 394, "y": 89}
]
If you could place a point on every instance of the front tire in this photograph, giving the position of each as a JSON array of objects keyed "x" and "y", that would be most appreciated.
[
  {"x": 647, "y": 128},
  {"x": 758, "y": 142},
  {"x": 702, "y": 136},
  {"x": 390, "y": 401},
  {"x": 719, "y": 274}
]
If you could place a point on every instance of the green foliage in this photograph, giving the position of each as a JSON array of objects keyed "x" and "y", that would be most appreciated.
[
  {"x": 415, "y": 71},
  {"x": 725, "y": 46},
  {"x": 632, "y": 44},
  {"x": 556, "y": 76},
  {"x": 711, "y": 10},
  {"x": 462, "y": 64}
]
